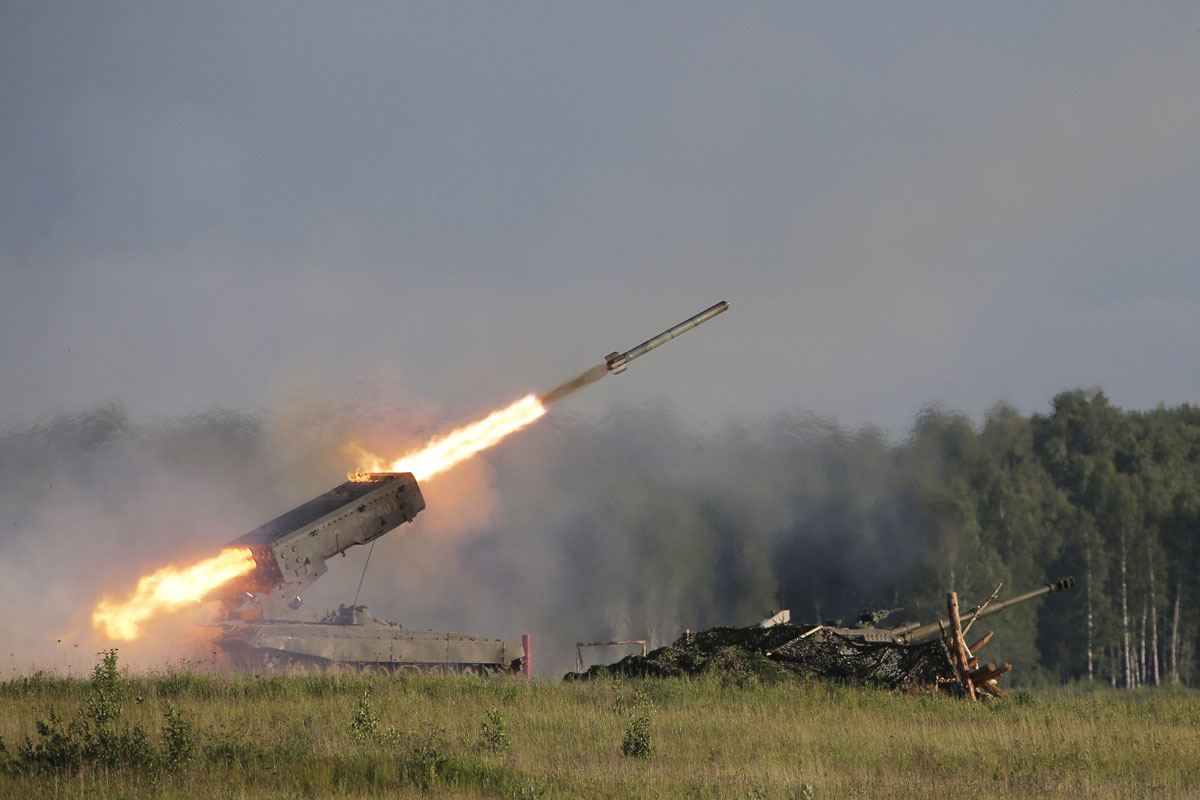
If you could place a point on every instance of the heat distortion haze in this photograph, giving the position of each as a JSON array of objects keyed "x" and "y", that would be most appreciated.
[{"x": 173, "y": 588}]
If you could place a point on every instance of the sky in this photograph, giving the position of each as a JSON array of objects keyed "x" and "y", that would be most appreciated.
[
  {"x": 220, "y": 206},
  {"x": 394, "y": 217}
]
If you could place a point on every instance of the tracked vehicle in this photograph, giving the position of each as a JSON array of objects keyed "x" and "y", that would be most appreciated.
[
  {"x": 267, "y": 627},
  {"x": 905, "y": 657}
]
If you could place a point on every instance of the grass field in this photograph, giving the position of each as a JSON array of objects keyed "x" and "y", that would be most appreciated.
[{"x": 188, "y": 734}]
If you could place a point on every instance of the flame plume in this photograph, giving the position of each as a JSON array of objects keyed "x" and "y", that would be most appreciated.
[
  {"x": 443, "y": 452},
  {"x": 169, "y": 589}
]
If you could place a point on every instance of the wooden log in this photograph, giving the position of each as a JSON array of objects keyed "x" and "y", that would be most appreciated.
[
  {"x": 986, "y": 668},
  {"x": 992, "y": 689},
  {"x": 957, "y": 643},
  {"x": 982, "y": 641},
  {"x": 952, "y": 651},
  {"x": 989, "y": 673}
]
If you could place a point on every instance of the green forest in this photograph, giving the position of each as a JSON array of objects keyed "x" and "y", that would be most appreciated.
[{"x": 1109, "y": 496}]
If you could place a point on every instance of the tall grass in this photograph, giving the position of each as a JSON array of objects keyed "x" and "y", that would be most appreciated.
[{"x": 209, "y": 735}]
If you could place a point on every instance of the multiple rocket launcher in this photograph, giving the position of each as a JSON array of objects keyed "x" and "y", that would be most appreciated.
[
  {"x": 266, "y": 628},
  {"x": 291, "y": 550}
]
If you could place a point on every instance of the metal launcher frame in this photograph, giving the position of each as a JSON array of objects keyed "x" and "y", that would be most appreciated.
[{"x": 291, "y": 550}]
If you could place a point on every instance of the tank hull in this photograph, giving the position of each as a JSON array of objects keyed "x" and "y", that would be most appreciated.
[{"x": 364, "y": 646}]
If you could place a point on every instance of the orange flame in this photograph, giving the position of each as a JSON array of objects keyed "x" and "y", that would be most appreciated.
[
  {"x": 169, "y": 589},
  {"x": 443, "y": 452}
]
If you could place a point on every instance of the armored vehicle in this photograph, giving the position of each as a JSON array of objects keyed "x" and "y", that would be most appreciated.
[
  {"x": 910, "y": 656},
  {"x": 266, "y": 625}
]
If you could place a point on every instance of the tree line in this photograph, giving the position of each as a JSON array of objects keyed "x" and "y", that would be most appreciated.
[{"x": 1109, "y": 496}]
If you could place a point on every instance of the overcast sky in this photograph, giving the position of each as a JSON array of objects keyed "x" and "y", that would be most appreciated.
[{"x": 451, "y": 204}]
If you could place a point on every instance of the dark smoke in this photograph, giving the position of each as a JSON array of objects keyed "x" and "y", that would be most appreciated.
[
  {"x": 642, "y": 526},
  {"x": 565, "y": 389}
]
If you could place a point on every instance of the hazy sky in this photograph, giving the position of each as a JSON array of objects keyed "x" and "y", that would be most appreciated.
[{"x": 450, "y": 204}]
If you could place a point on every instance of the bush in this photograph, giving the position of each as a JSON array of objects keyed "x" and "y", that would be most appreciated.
[
  {"x": 638, "y": 741},
  {"x": 638, "y": 706},
  {"x": 179, "y": 741},
  {"x": 364, "y": 727},
  {"x": 104, "y": 705},
  {"x": 427, "y": 758},
  {"x": 93, "y": 736},
  {"x": 493, "y": 734}
]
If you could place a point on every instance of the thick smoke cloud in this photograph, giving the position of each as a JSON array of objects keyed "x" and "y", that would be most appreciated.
[{"x": 637, "y": 526}]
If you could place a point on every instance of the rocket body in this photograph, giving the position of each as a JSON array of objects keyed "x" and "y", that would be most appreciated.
[{"x": 617, "y": 362}]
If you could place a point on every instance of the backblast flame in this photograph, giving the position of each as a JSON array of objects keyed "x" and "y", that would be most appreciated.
[{"x": 169, "y": 589}]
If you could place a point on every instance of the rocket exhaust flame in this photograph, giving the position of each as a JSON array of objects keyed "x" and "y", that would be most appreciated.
[
  {"x": 443, "y": 452},
  {"x": 169, "y": 589}
]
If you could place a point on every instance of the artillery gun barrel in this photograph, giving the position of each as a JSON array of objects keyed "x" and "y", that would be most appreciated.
[
  {"x": 942, "y": 626},
  {"x": 905, "y": 628}
]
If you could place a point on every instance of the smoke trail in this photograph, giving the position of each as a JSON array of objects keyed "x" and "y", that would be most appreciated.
[{"x": 564, "y": 390}]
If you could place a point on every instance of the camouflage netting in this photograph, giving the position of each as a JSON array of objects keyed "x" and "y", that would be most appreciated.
[{"x": 785, "y": 651}]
